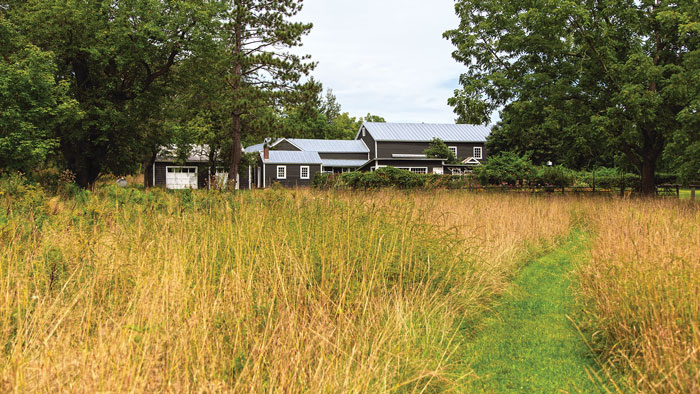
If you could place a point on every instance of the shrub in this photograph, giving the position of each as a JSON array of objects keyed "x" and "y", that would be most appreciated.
[
  {"x": 505, "y": 168},
  {"x": 556, "y": 176}
]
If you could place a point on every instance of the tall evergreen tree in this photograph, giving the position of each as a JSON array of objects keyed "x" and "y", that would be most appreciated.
[{"x": 259, "y": 71}]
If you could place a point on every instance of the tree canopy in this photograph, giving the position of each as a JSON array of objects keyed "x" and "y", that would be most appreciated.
[{"x": 576, "y": 78}]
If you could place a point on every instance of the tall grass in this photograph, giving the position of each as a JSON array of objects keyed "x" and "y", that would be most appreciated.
[
  {"x": 123, "y": 290},
  {"x": 642, "y": 292}
]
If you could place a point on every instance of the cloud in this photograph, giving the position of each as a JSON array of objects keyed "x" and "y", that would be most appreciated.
[{"x": 385, "y": 57}]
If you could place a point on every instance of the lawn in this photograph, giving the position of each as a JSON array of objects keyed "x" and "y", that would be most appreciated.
[{"x": 300, "y": 290}]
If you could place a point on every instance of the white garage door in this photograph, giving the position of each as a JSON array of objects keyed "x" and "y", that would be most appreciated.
[{"x": 181, "y": 177}]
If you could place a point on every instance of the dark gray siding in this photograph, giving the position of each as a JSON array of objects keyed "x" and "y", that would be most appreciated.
[
  {"x": 344, "y": 156},
  {"x": 369, "y": 141},
  {"x": 285, "y": 145},
  {"x": 293, "y": 175},
  {"x": 429, "y": 164},
  {"x": 387, "y": 149}
]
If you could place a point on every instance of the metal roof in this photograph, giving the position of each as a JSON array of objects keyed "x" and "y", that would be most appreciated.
[
  {"x": 255, "y": 148},
  {"x": 343, "y": 163},
  {"x": 425, "y": 132},
  {"x": 329, "y": 146},
  {"x": 291, "y": 157}
]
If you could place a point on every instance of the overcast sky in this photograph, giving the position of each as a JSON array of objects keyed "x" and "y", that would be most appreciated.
[{"x": 386, "y": 57}]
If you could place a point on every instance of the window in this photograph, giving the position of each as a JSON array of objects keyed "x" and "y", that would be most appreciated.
[
  {"x": 453, "y": 149},
  {"x": 415, "y": 170},
  {"x": 364, "y": 132},
  {"x": 478, "y": 151},
  {"x": 304, "y": 172},
  {"x": 281, "y": 172}
]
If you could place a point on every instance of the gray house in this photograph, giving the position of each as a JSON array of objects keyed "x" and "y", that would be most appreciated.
[
  {"x": 402, "y": 145},
  {"x": 288, "y": 168},
  {"x": 294, "y": 161}
]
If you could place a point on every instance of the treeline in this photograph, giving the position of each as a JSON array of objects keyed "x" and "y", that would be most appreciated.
[{"x": 98, "y": 87}]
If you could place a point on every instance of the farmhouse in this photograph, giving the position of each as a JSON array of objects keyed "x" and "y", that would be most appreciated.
[
  {"x": 294, "y": 161},
  {"x": 376, "y": 145}
]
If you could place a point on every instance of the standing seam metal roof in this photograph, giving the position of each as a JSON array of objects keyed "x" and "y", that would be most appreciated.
[
  {"x": 329, "y": 146},
  {"x": 291, "y": 157},
  {"x": 422, "y": 132}
]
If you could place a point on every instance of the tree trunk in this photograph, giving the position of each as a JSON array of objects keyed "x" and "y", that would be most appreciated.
[
  {"x": 648, "y": 181},
  {"x": 148, "y": 175},
  {"x": 235, "y": 150}
]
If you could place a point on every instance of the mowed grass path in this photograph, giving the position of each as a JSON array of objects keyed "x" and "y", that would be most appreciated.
[{"x": 528, "y": 345}]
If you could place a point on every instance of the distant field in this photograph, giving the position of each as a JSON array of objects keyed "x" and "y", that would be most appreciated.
[{"x": 125, "y": 290}]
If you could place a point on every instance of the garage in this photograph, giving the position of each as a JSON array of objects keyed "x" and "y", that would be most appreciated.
[{"x": 181, "y": 177}]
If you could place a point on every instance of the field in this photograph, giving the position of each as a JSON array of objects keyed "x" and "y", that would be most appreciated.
[{"x": 307, "y": 291}]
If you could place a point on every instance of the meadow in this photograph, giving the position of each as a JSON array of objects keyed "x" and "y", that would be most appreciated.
[{"x": 323, "y": 291}]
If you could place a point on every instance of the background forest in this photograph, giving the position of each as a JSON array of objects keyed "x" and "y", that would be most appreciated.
[{"x": 97, "y": 87}]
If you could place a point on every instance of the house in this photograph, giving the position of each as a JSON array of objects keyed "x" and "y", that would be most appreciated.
[
  {"x": 293, "y": 155},
  {"x": 192, "y": 173},
  {"x": 294, "y": 161},
  {"x": 402, "y": 145},
  {"x": 291, "y": 168}
]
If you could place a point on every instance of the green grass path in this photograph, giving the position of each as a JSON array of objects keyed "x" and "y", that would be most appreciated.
[{"x": 528, "y": 345}]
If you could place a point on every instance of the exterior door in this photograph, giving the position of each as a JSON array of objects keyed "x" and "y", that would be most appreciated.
[{"x": 181, "y": 177}]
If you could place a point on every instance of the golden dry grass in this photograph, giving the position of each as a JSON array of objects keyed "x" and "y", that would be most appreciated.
[
  {"x": 641, "y": 292},
  {"x": 275, "y": 291}
]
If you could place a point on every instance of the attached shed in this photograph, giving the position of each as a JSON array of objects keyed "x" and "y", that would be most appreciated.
[{"x": 288, "y": 168}]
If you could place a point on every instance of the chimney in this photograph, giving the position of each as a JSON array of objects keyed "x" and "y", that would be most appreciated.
[{"x": 266, "y": 153}]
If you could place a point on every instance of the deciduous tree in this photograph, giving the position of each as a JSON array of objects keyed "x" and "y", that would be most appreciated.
[{"x": 623, "y": 73}]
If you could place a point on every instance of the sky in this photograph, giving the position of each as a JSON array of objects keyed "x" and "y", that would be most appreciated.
[{"x": 385, "y": 57}]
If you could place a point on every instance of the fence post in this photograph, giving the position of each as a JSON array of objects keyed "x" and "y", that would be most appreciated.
[
  {"x": 692, "y": 193},
  {"x": 678, "y": 191}
]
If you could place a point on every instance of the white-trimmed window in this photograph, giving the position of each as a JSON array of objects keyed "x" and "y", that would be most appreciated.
[
  {"x": 478, "y": 152},
  {"x": 453, "y": 149},
  {"x": 281, "y": 172},
  {"x": 415, "y": 170},
  {"x": 304, "y": 170}
]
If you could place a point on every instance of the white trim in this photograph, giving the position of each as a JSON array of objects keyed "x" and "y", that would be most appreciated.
[
  {"x": 250, "y": 185},
  {"x": 481, "y": 152},
  {"x": 154, "y": 174},
  {"x": 277, "y": 174},
  {"x": 285, "y": 139},
  {"x": 263, "y": 176},
  {"x": 301, "y": 172},
  {"x": 414, "y": 168},
  {"x": 409, "y": 155},
  {"x": 453, "y": 149}
]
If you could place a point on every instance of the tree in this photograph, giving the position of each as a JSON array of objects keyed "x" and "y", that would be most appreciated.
[
  {"x": 438, "y": 149},
  {"x": 258, "y": 72},
  {"x": 117, "y": 57},
  {"x": 32, "y": 103},
  {"x": 372, "y": 118},
  {"x": 620, "y": 73}
]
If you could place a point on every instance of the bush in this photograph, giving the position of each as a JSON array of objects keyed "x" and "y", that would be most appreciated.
[
  {"x": 556, "y": 176},
  {"x": 505, "y": 168}
]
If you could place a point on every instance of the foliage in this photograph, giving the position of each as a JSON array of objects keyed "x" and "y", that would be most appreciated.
[
  {"x": 556, "y": 176},
  {"x": 255, "y": 65},
  {"x": 32, "y": 103},
  {"x": 505, "y": 168},
  {"x": 438, "y": 149},
  {"x": 576, "y": 78},
  {"x": 115, "y": 57}
]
